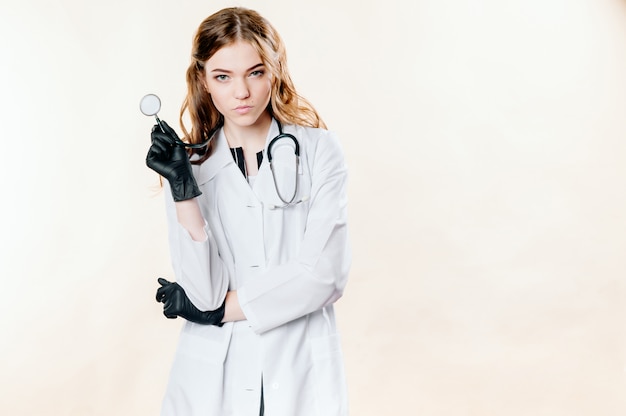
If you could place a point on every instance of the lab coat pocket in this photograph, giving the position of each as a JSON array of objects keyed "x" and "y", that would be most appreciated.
[
  {"x": 204, "y": 343},
  {"x": 197, "y": 371},
  {"x": 329, "y": 375}
]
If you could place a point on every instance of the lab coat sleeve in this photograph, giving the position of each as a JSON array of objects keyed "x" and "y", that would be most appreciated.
[
  {"x": 196, "y": 264},
  {"x": 318, "y": 275}
]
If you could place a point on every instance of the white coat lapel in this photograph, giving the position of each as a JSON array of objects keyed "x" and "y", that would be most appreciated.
[
  {"x": 220, "y": 158},
  {"x": 264, "y": 169}
]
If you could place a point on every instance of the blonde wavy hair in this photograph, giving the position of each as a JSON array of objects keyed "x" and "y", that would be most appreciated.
[{"x": 224, "y": 28}]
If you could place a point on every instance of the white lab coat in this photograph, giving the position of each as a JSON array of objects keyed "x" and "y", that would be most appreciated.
[{"x": 288, "y": 265}]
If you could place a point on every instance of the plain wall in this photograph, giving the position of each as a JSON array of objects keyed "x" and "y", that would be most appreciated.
[{"x": 485, "y": 142}]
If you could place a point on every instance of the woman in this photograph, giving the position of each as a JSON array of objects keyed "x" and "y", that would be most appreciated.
[{"x": 259, "y": 255}]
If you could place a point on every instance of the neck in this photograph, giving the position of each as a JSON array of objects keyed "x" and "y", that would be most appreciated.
[{"x": 248, "y": 137}]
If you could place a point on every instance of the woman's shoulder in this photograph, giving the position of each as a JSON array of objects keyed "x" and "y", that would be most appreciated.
[
  {"x": 313, "y": 134},
  {"x": 318, "y": 143}
]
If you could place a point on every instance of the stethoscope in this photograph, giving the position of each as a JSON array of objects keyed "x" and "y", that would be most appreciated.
[
  {"x": 150, "y": 106},
  {"x": 296, "y": 150}
]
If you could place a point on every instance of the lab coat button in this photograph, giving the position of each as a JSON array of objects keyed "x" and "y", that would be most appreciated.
[{"x": 275, "y": 386}]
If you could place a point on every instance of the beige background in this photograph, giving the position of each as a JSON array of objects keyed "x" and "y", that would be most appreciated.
[{"x": 486, "y": 147}]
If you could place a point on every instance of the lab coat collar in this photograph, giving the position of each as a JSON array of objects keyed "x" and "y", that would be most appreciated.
[
  {"x": 273, "y": 132},
  {"x": 222, "y": 157}
]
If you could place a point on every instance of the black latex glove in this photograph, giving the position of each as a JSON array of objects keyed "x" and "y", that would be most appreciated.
[
  {"x": 169, "y": 158},
  {"x": 176, "y": 303}
]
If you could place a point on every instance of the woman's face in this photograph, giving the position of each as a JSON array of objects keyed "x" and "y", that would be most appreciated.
[{"x": 239, "y": 84}]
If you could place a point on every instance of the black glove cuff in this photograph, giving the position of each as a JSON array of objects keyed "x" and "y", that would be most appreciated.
[
  {"x": 184, "y": 188},
  {"x": 215, "y": 317}
]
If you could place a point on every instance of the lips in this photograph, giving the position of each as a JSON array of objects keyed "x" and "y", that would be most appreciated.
[{"x": 243, "y": 109}]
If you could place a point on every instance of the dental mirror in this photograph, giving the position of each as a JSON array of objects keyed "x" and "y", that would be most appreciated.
[{"x": 150, "y": 105}]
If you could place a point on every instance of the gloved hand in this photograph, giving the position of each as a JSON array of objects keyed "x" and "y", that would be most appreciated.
[
  {"x": 176, "y": 303},
  {"x": 169, "y": 159}
]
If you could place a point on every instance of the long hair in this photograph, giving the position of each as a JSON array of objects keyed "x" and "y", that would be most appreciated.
[{"x": 224, "y": 28}]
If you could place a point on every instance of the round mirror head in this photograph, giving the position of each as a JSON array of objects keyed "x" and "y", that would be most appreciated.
[{"x": 150, "y": 105}]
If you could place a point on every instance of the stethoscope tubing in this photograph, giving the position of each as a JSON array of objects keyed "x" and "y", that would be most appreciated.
[
  {"x": 281, "y": 135},
  {"x": 190, "y": 145}
]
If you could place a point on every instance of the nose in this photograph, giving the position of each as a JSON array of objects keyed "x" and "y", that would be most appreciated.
[{"x": 241, "y": 90}]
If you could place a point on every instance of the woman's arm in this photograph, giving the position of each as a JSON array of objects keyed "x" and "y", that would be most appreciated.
[
  {"x": 195, "y": 258},
  {"x": 194, "y": 255},
  {"x": 189, "y": 216},
  {"x": 317, "y": 276},
  {"x": 233, "y": 311}
]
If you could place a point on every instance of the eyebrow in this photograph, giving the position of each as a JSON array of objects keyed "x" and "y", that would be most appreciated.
[{"x": 230, "y": 72}]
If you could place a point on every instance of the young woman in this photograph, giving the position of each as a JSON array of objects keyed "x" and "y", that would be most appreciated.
[{"x": 259, "y": 242}]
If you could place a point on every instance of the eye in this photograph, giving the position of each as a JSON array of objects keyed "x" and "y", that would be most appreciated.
[
  {"x": 257, "y": 73},
  {"x": 221, "y": 77}
]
